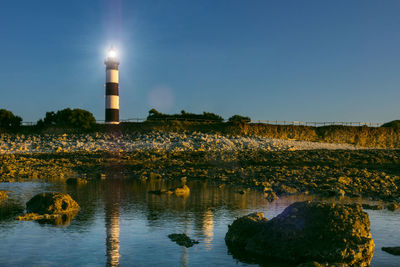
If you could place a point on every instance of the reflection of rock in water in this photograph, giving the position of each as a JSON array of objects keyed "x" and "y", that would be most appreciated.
[
  {"x": 64, "y": 219},
  {"x": 10, "y": 209},
  {"x": 112, "y": 199}
]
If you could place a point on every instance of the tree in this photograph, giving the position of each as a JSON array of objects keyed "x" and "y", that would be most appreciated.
[
  {"x": 185, "y": 116},
  {"x": 392, "y": 124},
  {"x": 239, "y": 119},
  {"x": 78, "y": 118},
  {"x": 8, "y": 119}
]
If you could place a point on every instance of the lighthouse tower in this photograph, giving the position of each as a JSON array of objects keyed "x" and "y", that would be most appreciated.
[{"x": 112, "y": 86}]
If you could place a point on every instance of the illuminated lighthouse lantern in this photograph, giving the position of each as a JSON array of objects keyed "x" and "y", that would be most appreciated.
[{"x": 112, "y": 87}]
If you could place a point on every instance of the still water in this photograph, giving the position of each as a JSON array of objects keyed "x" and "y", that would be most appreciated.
[{"x": 121, "y": 223}]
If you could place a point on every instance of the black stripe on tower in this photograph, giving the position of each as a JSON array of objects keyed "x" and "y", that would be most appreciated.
[
  {"x": 111, "y": 65},
  {"x": 112, "y": 115},
  {"x": 112, "y": 89}
]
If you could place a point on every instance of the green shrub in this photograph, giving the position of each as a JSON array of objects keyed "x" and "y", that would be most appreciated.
[
  {"x": 154, "y": 115},
  {"x": 239, "y": 119},
  {"x": 9, "y": 120},
  {"x": 77, "y": 118},
  {"x": 392, "y": 124}
]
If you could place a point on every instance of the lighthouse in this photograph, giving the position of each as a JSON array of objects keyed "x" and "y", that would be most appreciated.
[{"x": 112, "y": 87}]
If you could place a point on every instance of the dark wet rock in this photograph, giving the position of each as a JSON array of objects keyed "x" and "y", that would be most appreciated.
[
  {"x": 243, "y": 228},
  {"x": 183, "y": 190},
  {"x": 153, "y": 175},
  {"x": 286, "y": 190},
  {"x": 372, "y": 207},
  {"x": 392, "y": 250},
  {"x": 241, "y": 192},
  {"x": 303, "y": 232},
  {"x": 270, "y": 195},
  {"x": 325, "y": 264},
  {"x": 392, "y": 206},
  {"x": 76, "y": 181},
  {"x": 54, "y": 208},
  {"x": 339, "y": 192},
  {"x": 161, "y": 192},
  {"x": 51, "y": 203},
  {"x": 183, "y": 240}
]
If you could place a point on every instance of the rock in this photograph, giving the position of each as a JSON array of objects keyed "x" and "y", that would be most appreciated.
[
  {"x": 344, "y": 180},
  {"x": 154, "y": 175},
  {"x": 243, "y": 228},
  {"x": 286, "y": 190},
  {"x": 317, "y": 264},
  {"x": 51, "y": 203},
  {"x": 372, "y": 207},
  {"x": 3, "y": 195},
  {"x": 339, "y": 192},
  {"x": 181, "y": 191},
  {"x": 392, "y": 250},
  {"x": 76, "y": 181},
  {"x": 241, "y": 192},
  {"x": 392, "y": 206},
  {"x": 182, "y": 240},
  {"x": 303, "y": 232},
  {"x": 270, "y": 195},
  {"x": 161, "y": 192},
  {"x": 178, "y": 191}
]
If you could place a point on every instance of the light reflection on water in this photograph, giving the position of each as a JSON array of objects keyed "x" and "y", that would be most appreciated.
[{"x": 120, "y": 223}]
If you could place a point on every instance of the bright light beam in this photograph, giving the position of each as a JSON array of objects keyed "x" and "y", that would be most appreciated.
[{"x": 112, "y": 53}]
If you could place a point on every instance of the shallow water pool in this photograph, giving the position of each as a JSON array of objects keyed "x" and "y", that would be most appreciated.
[{"x": 120, "y": 223}]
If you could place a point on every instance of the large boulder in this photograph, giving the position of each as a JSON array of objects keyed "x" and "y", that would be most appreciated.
[
  {"x": 305, "y": 232},
  {"x": 51, "y": 203}
]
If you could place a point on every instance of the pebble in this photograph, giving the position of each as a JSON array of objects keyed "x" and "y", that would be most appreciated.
[{"x": 161, "y": 141}]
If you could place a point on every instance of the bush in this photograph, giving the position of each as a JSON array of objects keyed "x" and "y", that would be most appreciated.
[
  {"x": 239, "y": 119},
  {"x": 9, "y": 120},
  {"x": 392, "y": 124},
  {"x": 185, "y": 116},
  {"x": 77, "y": 118}
]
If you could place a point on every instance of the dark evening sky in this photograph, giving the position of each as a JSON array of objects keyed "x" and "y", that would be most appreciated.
[{"x": 274, "y": 60}]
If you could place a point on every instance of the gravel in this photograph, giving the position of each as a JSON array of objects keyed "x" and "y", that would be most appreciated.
[{"x": 154, "y": 141}]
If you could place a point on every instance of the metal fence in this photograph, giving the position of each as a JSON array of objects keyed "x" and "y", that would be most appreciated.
[
  {"x": 297, "y": 123},
  {"x": 317, "y": 124}
]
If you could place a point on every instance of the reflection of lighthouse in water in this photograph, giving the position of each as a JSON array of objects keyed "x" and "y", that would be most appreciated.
[
  {"x": 208, "y": 229},
  {"x": 112, "y": 224}
]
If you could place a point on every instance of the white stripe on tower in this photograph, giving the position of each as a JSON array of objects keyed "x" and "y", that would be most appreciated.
[
  {"x": 112, "y": 102},
  {"x": 112, "y": 88},
  {"x": 111, "y": 76}
]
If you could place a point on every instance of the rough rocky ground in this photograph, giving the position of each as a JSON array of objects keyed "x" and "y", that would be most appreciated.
[
  {"x": 355, "y": 173},
  {"x": 158, "y": 141}
]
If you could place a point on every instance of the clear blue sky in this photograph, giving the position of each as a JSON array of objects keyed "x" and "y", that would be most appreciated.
[{"x": 279, "y": 60}]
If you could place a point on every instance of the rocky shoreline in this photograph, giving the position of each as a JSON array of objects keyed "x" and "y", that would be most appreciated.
[
  {"x": 372, "y": 174},
  {"x": 152, "y": 141}
]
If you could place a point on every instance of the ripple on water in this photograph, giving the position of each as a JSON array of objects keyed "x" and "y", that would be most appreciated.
[{"x": 120, "y": 222}]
